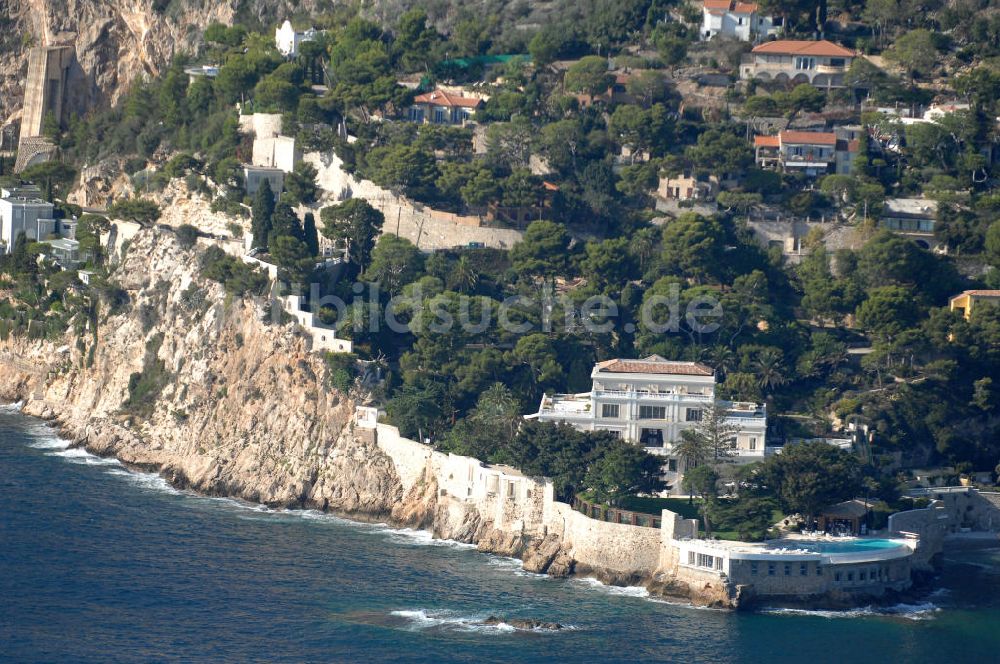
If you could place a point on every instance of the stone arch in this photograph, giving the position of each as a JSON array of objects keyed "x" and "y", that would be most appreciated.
[
  {"x": 763, "y": 76},
  {"x": 800, "y": 78},
  {"x": 923, "y": 244},
  {"x": 781, "y": 78}
]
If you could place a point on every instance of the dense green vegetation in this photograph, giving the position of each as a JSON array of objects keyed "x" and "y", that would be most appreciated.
[{"x": 582, "y": 157}]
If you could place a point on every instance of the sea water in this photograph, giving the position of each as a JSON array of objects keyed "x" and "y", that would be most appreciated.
[{"x": 101, "y": 564}]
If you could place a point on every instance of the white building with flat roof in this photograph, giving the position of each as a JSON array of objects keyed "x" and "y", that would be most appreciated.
[
  {"x": 287, "y": 39},
  {"x": 651, "y": 401},
  {"x": 19, "y": 215}
]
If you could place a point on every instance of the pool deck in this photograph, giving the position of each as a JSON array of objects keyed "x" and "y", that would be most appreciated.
[{"x": 797, "y": 548}]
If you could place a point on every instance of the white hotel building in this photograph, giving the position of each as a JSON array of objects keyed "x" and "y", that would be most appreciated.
[{"x": 650, "y": 401}]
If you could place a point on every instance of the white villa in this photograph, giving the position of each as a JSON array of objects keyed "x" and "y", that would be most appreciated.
[
  {"x": 287, "y": 39},
  {"x": 732, "y": 19},
  {"x": 650, "y": 401},
  {"x": 24, "y": 215}
]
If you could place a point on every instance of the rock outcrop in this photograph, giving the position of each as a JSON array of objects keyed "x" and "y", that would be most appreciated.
[{"x": 116, "y": 41}]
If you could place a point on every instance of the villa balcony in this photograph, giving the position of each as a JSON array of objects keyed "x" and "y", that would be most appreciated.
[
  {"x": 831, "y": 69},
  {"x": 657, "y": 396}
]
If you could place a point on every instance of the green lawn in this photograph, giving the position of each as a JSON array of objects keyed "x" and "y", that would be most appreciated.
[{"x": 654, "y": 505}]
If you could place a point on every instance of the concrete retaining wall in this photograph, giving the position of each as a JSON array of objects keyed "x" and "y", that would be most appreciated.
[{"x": 426, "y": 227}]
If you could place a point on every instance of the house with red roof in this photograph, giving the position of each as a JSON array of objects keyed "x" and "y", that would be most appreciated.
[
  {"x": 811, "y": 153},
  {"x": 441, "y": 106},
  {"x": 820, "y": 63},
  {"x": 732, "y": 19}
]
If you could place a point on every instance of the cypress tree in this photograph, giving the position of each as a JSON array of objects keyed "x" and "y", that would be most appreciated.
[
  {"x": 263, "y": 213},
  {"x": 311, "y": 235}
]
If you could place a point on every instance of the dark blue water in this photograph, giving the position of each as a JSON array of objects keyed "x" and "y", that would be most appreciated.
[{"x": 98, "y": 564}]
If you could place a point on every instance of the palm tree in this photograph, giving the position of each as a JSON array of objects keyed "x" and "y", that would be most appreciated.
[
  {"x": 464, "y": 276},
  {"x": 770, "y": 370},
  {"x": 693, "y": 449}
]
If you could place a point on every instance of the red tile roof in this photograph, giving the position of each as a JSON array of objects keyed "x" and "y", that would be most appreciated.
[
  {"x": 442, "y": 98},
  {"x": 808, "y": 138},
  {"x": 979, "y": 293},
  {"x": 767, "y": 141},
  {"x": 731, "y": 5},
  {"x": 654, "y": 364},
  {"x": 801, "y": 47}
]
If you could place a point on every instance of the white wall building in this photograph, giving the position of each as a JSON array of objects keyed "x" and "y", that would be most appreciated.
[
  {"x": 731, "y": 19},
  {"x": 650, "y": 401},
  {"x": 287, "y": 39},
  {"x": 254, "y": 176},
  {"x": 21, "y": 215},
  {"x": 276, "y": 152}
]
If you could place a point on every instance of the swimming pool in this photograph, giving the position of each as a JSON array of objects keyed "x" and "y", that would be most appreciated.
[{"x": 847, "y": 546}]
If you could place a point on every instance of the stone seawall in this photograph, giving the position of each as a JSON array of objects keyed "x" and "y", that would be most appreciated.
[{"x": 506, "y": 512}]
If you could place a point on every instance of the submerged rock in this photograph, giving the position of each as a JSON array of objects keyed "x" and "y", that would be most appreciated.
[{"x": 524, "y": 623}]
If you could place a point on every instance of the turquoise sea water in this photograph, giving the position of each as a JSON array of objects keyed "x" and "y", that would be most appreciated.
[{"x": 98, "y": 564}]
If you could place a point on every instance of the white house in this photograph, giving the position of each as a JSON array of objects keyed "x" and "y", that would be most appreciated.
[
  {"x": 731, "y": 19},
  {"x": 287, "y": 39},
  {"x": 650, "y": 401},
  {"x": 819, "y": 63},
  {"x": 21, "y": 215}
]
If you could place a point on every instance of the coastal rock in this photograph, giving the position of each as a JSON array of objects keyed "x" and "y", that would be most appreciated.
[
  {"x": 524, "y": 624},
  {"x": 539, "y": 557}
]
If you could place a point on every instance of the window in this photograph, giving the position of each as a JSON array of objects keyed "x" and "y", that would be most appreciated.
[
  {"x": 850, "y": 576},
  {"x": 652, "y": 412},
  {"x": 753, "y": 568},
  {"x": 861, "y": 575},
  {"x": 803, "y": 569},
  {"x": 788, "y": 569},
  {"x": 753, "y": 443},
  {"x": 770, "y": 569},
  {"x": 693, "y": 415},
  {"x": 609, "y": 410},
  {"x": 691, "y": 557},
  {"x": 837, "y": 62},
  {"x": 672, "y": 465},
  {"x": 819, "y": 570},
  {"x": 836, "y": 577}
]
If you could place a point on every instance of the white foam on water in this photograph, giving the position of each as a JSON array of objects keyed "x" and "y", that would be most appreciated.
[
  {"x": 412, "y": 537},
  {"x": 146, "y": 481},
  {"x": 923, "y": 611},
  {"x": 625, "y": 591},
  {"x": 12, "y": 407},
  {"x": 421, "y": 619},
  {"x": 80, "y": 456},
  {"x": 46, "y": 440}
]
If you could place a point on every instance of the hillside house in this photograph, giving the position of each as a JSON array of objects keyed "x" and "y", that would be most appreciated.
[
  {"x": 968, "y": 300},
  {"x": 913, "y": 218},
  {"x": 254, "y": 176},
  {"x": 819, "y": 63},
  {"x": 811, "y": 153},
  {"x": 28, "y": 216},
  {"x": 649, "y": 402},
  {"x": 443, "y": 107},
  {"x": 731, "y": 19},
  {"x": 687, "y": 187},
  {"x": 287, "y": 39}
]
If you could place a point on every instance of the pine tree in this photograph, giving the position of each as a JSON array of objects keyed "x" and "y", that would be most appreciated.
[{"x": 263, "y": 213}]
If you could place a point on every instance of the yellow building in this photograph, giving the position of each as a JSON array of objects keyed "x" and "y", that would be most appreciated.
[{"x": 966, "y": 300}]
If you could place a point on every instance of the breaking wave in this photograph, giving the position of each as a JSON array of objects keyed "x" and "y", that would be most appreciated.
[
  {"x": 423, "y": 619},
  {"x": 923, "y": 611}
]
